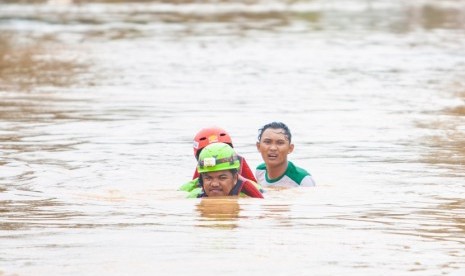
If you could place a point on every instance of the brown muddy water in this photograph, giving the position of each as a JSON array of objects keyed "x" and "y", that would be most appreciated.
[{"x": 99, "y": 101}]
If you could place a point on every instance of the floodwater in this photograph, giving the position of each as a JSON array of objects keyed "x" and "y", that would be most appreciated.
[{"x": 99, "y": 101}]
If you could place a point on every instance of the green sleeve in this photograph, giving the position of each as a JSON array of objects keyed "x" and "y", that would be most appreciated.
[
  {"x": 190, "y": 186},
  {"x": 195, "y": 193}
]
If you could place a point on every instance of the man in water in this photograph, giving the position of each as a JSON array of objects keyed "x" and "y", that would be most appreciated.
[
  {"x": 274, "y": 144},
  {"x": 218, "y": 167},
  {"x": 203, "y": 138}
]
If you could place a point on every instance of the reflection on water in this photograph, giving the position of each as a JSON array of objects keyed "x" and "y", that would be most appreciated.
[
  {"x": 99, "y": 101},
  {"x": 219, "y": 213}
]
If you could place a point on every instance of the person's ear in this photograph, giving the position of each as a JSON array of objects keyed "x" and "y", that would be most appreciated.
[
  {"x": 291, "y": 148},
  {"x": 258, "y": 146}
]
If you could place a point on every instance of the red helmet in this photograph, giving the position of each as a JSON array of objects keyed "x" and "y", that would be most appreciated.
[{"x": 207, "y": 136}]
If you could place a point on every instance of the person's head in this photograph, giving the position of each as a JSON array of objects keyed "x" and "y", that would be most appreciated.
[
  {"x": 274, "y": 143},
  {"x": 277, "y": 126},
  {"x": 207, "y": 136},
  {"x": 218, "y": 167}
]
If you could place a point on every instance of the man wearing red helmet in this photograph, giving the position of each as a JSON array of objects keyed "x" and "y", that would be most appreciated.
[{"x": 203, "y": 138}]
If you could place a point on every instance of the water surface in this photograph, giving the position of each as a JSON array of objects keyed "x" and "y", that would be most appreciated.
[{"x": 99, "y": 101}]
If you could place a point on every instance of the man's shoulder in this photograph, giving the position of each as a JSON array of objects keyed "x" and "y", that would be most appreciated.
[
  {"x": 296, "y": 173},
  {"x": 190, "y": 185},
  {"x": 291, "y": 167},
  {"x": 262, "y": 167}
]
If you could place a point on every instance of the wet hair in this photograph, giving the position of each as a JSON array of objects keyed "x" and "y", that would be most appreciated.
[{"x": 275, "y": 125}]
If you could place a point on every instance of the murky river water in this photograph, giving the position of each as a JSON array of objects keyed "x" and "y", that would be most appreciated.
[{"x": 99, "y": 103}]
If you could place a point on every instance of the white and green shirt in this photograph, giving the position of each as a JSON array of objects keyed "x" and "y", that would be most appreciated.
[{"x": 292, "y": 177}]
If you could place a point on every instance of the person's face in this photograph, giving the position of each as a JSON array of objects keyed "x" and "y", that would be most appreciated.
[
  {"x": 218, "y": 183},
  {"x": 274, "y": 146}
]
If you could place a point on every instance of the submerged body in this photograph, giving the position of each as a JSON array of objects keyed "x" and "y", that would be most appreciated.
[
  {"x": 292, "y": 177},
  {"x": 204, "y": 138},
  {"x": 218, "y": 167}
]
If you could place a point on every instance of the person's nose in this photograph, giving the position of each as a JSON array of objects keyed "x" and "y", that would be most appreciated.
[{"x": 215, "y": 182}]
